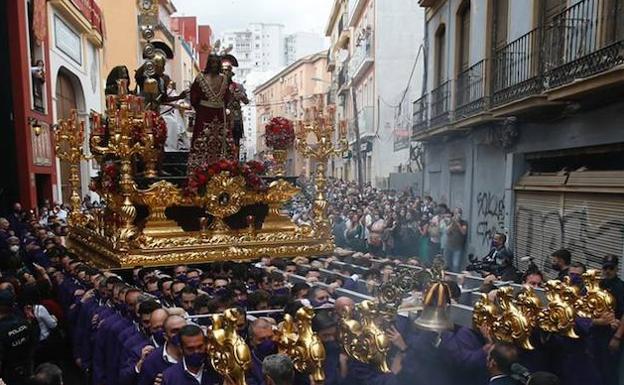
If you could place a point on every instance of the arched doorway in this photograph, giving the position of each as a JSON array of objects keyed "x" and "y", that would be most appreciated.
[{"x": 68, "y": 97}]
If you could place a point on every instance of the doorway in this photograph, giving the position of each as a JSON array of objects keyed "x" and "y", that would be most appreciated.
[{"x": 66, "y": 102}]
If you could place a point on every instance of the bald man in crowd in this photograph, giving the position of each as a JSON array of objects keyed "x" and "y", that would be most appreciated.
[{"x": 166, "y": 355}]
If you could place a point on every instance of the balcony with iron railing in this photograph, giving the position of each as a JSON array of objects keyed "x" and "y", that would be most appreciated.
[
  {"x": 585, "y": 39},
  {"x": 579, "y": 52},
  {"x": 517, "y": 69},
  {"x": 363, "y": 57},
  {"x": 419, "y": 118},
  {"x": 366, "y": 121},
  {"x": 470, "y": 96},
  {"x": 343, "y": 77},
  {"x": 331, "y": 62},
  {"x": 440, "y": 105}
]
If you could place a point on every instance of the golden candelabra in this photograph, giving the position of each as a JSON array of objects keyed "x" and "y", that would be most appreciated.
[
  {"x": 69, "y": 141},
  {"x": 320, "y": 123},
  {"x": 126, "y": 118},
  {"x": 297, "y": 340},
  {"x": 512, "y": 319}
]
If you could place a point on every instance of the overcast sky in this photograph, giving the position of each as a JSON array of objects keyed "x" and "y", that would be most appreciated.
[{"x": 296, "y": 15}]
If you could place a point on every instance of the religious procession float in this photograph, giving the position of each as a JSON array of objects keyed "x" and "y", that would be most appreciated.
[{"x": 217, "y": 208}]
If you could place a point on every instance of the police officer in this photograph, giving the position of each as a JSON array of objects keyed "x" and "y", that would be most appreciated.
[{"x": 18, "y": 338}]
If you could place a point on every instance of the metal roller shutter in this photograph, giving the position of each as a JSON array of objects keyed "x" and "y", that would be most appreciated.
[
  {"x": 590, "y": 225},
  {"x": 537, "y": 229},
  {"x": 593, "y": 226}
]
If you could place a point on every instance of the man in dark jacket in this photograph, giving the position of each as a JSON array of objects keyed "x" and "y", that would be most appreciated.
[
  {"x": 18, "y": 338},
  {"x": 499, "y": 361}
]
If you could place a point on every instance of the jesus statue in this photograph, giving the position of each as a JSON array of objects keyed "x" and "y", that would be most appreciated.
[{"x": 212, "y": 133}]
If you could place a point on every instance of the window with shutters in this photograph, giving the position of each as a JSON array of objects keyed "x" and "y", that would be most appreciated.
[
  {"x": 440, "y": 55},
  {"x": 551, "y": 8},
  {"x": 463, "y": 52},
  {"x": 501, "y": 22}
]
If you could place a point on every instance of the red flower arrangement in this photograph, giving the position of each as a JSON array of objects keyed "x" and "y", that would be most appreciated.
[
  {"x": 109, "y": 178},
  {"x": 251, "y": 171},
  {"x": 279, "y": 133},
  {"x": 159, "y": 129}
]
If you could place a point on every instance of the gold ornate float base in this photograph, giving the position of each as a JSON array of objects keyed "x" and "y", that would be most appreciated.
[{"x": 198, "y": 247}]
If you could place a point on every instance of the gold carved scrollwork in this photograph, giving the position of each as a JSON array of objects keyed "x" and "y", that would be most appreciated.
[
  {"x": 228, "y": 352},
  {"x": 225, "y": 195},
  {"x": 512, "y": 325},
  {"x": 597, "y": 301},
  {"x": 279, "y": 192},
  {"x": 157, "y": 198},
  {"x": 364, "y": 340},
  {"x": 297, "y": 340},
  {"x": 559, "y": 315}
]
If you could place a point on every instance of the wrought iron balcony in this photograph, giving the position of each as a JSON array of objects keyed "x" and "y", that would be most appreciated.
[
  {"x": 419, "y": 119},
  {"x": 363, "y": 57},
  {"x": 517, "y": 69},
  {"x": 440, "y": 104},
  {"x": 585, "y": 39},
  {"x": 366, "y": 121},
  {"x": 470, "y": 97},
  {"x": 343, "y": 76}
]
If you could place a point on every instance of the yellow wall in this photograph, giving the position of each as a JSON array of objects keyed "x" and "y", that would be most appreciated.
[
  {"x": 288, "y": 94},
  {"x": 121, "y": 46}
]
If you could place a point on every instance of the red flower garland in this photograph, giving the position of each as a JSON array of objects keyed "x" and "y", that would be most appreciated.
[
  {"x": 109, "y": 178},
  {"x": 279, "y": 133},
  {"x": 251, "y": 171}
]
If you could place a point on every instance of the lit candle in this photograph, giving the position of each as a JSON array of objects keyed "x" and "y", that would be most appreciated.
[
  {"x": 110, "y": 103},
  {"x": 97, "y": 123}
]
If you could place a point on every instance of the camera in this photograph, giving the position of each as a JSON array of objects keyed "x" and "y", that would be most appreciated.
[{"x": 485, "y": 265}]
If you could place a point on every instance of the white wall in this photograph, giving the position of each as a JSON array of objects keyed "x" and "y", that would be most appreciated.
[
  {"x": 399, "y": 31},
  {"x": 87, "y": 84}
]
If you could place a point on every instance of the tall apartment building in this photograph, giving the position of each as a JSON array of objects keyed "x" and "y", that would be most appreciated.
[
  {"x": 300, "y": 44},
  {"x": 288, "y": 94},
  {"x": 522, "y": 123},
  {"x": 376, "y": 71}
]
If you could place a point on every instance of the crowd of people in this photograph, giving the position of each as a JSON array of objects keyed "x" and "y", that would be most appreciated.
[
  {"x": 59, "y": 314},
  {"x": 390, "y": 223}
]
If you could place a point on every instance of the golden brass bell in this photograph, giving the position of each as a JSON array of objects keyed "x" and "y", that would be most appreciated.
[{"x": 436, "y": 309}]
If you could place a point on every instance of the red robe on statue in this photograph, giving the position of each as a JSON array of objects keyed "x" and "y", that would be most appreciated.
[{"x": 212, "y": 134}]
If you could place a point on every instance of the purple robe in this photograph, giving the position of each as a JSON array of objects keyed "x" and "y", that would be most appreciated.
[
  {"x": 130, "y": 357},
  {"x": 464, "y": 347},
  {"x": 153, "y": 365},
  {"x": 176, "y": 375},
  {"x": 99, "y": 349}
]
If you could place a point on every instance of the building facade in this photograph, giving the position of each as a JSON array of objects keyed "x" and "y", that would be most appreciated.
[
  {"x": 184, "y": 67},
  {"x": 26, "y": 105},
  {"x": 376, "y": 64},
  {"x": 520, "y": 123},
  {"x": 127, "y": 48},
  {"x": 76, "y": 41},
  {"x": 288, "y": 94}
]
